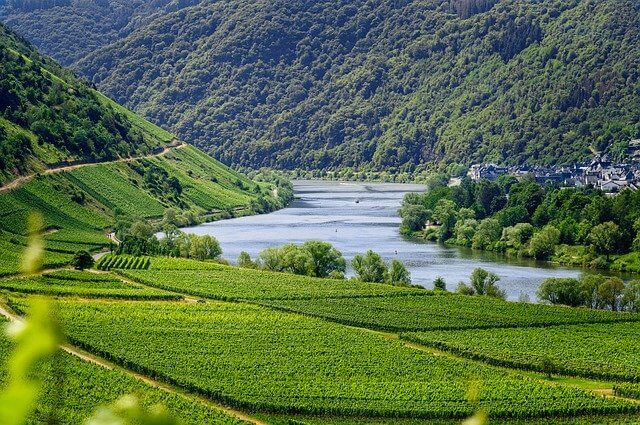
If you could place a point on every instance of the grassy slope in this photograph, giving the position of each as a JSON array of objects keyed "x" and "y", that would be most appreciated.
[
  {"x": 86, "y": 387},
  {"x": 106, "y": 187},
  {"x": 219, "y": 349}
]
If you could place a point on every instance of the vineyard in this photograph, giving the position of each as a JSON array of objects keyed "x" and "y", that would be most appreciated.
[
  {"x": 78, "y": 206},
  {"x": 602, "y": 351},
  {"x": 442, "y": 312},
  {"x": 82, "y": 284},
  {"x": 126, "y": 262},
  {"x": 250, "y": 357},
  {"x": 111, "y": 185},
  {"x": 231, "y": 283},
  {"x": 87, "y": 386}
]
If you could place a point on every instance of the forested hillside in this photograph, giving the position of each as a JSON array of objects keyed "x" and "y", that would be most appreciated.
[
  {"x": 49, "y": 117},
  {"x": 70, "y": 29},
  {"x": 122, "y": 167},
  {"x": 385, "y": 84}
]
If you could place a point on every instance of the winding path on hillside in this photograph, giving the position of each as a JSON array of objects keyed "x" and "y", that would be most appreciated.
[{"x": 14, "y": 184}]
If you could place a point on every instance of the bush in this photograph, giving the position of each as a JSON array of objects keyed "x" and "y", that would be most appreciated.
[
  {"x": 439, "y": 284},
  {"x": 82, "y": 260}
]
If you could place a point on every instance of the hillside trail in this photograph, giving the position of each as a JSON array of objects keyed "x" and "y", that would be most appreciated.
[
  {"x": 14, "y": 184},
  {"x": 98, "y": 361}
]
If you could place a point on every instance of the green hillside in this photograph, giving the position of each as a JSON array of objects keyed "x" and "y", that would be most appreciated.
[
  {"x": 385, "y": 85},
  {"x": 83, "y": 162}
]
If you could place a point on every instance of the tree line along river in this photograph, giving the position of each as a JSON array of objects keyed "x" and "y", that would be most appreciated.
[{"x": 355, "y": 217}]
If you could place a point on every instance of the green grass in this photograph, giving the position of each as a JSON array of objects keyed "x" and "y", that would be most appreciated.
[
  {"x": 603, "y": 351},
  {"x": 252, "y": 357},
  {"x": 231, "y": 283},
  {"x": 85, "y": 387},
  {"x": 206, "y": 184},
  {"x": 442, "y": 312}
]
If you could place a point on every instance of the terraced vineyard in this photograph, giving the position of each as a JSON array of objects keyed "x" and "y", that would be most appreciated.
[
  {"x": 443, "y": 312},
  {"x": 248, "y": 356},
  {"x": 110, "y": 186},
  {"x": 127, "y": 262},
  {"x": 89, "y": 285},
  {"x": 11, "y": 257},
  {"x": 607, "y": 351},
  {"x": 87, "y": 386},
  {"x": 232, "y": 283}
]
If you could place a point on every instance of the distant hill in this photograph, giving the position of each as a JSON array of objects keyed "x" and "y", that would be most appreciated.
[{"x": 387, "y": 84}]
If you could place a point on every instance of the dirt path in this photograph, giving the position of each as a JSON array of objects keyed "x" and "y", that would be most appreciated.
[{"x": 14, "y": 184}]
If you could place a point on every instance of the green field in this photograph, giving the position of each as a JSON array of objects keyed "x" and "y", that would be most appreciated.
[
  {"x": 11, "y": 257},
  {"x": 232, "y": 283},
  {"x": 111, "y": 185},
  {"x": 78, "y": 206},
  {"x": 606, "y": 351},
  {"x": 443, "y": 312},
  {"x": 85, "y": 387},
  {"x": 82, "y": 284},
  {"x": 251, "y": 357}
]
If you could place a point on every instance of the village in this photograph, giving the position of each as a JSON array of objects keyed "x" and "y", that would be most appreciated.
[{"x": 601, "y": 172}]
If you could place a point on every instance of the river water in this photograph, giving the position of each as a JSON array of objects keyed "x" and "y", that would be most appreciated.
[{"x": 356, "y": 217}]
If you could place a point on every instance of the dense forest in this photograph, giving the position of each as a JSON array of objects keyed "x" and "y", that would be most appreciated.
[
  {"x": 578, "y": 226},
  {"x": 48, "y": 116},
  {"x": 70, "y": 29},
  {"x": 374, "y": 84}
]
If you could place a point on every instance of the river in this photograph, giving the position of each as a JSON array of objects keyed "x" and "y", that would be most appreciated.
[{"x": 356, "y": 217}]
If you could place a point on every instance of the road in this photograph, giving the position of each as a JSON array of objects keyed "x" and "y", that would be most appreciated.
[{"x": 14, "y": 184}]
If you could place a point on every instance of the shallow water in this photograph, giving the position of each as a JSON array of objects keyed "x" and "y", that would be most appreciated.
[{"x": 355, "y": 217}]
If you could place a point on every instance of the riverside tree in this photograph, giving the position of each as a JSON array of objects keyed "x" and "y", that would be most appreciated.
[
  {"x": 398, "y": 274},
  {"x": 370, "y": 267}
]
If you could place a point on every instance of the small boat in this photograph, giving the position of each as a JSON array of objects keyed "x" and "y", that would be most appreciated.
[{"x": 357, "y": 201}]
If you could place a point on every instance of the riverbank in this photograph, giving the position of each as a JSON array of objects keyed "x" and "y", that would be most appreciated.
[
  {"x": 355, "y": 217},
  {"x": 564, "y": 255}
]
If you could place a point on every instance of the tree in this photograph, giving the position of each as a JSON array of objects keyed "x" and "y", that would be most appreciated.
[
  {"x": 297, "y": 260},
  {"x": 245, "y": 261},
  {"x": 518, "y": 235},
  {"x": 464, "y": 289},
  {"x": 526, "y": 193},
  {"x": 484, "y": 282},
  {"x": 439, "y": 284},
  {"x": 489, "y": 231},
  {"x": 547, "y": 367},
  {"x": 204, "y": 247},
  {"x": 543, "y": 244},
  {"x": 369, "y": 267},
  {"x": 610, "y": 292},
  {"x": 464, "y": 231},
  {"x": 631, "y": 296},
  {"x": 398, "y": 274},
  {"x": 82, "y": 260},
  {"x": 326, "y": 258},
  {"x": 565, "y": 291},
  {"x": 414, "y": 217},
  {"x": 445, "y": 214},
  {"x": 589, "y": 285},
  {"x": 605, "y": 237},
  {"x": 270, "y": 259},
  {"x": 489, "y": 198}
]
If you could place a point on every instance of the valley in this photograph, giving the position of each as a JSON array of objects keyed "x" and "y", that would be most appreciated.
[{"x": 159, "y": 267}]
